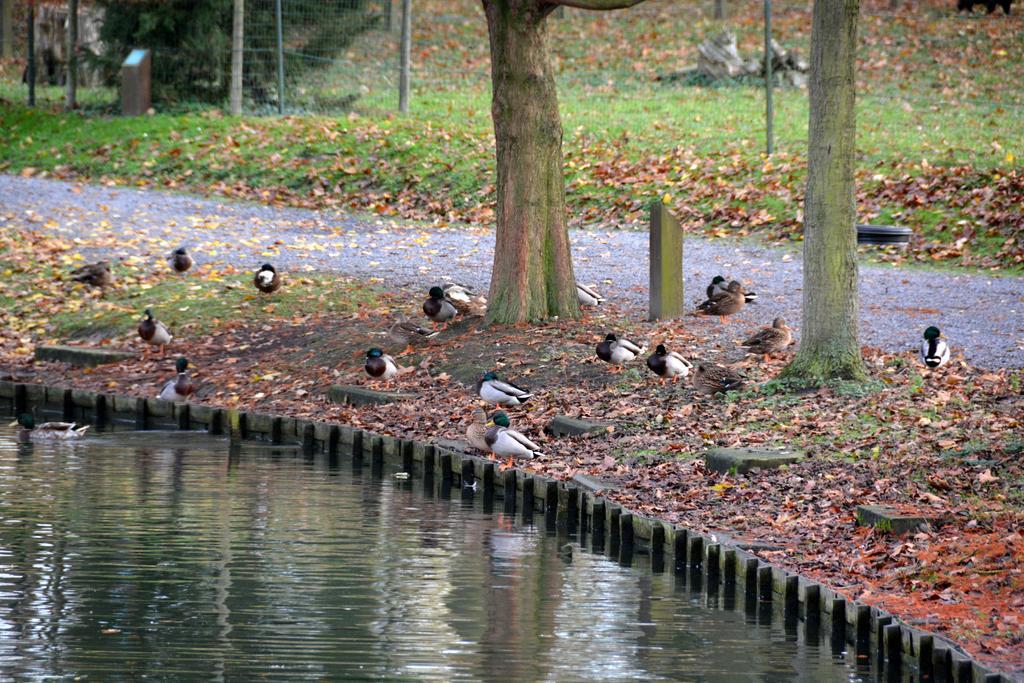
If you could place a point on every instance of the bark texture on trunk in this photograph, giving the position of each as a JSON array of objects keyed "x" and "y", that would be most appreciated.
[
  {"x": 237, "y": 55},
  {"x": 71, "y": 84},
  {"x": 532, "y": 278},
  {"x": 829, "y": 345}
]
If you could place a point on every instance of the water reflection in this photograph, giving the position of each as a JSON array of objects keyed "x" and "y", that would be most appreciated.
[{"x": 167, "y": 555}]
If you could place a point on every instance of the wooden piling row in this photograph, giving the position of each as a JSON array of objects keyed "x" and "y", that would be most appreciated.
[{"x": 567, "y": 509}]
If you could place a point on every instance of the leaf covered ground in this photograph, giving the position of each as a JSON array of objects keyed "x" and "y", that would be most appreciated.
[
  {"x": 938, "y": 132},
  {"x": 947, "y": 443}
]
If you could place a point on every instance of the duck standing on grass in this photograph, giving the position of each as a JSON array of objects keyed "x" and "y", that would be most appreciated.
[
  {"x": 711, "y": 379},
  {"x": 438, "y": 308},
  {"x": 725, "y": 303},
  {"x": 588, "y": 296},
  {"x": 380, "y": 364},
  {"x": 28, "y": 431},
  {"x": 506, "y": 442},
  {"x": 180, "y": 260},
  {"x": 719, "y": 286},
  {"x": 499, "y": 392},
  {"x": 181, "y": 387},
  {"x": 267, "y": 279},
  {"x": 154, "y": 332},
  {"x": 618, "y": 351},
  {"x": 768, "y": 340},
  {"x": 668, "y": 364},
  {"x": 934, "y": 351}
]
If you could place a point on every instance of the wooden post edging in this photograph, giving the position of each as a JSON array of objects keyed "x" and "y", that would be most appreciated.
[{"x": 613, "y": 529}]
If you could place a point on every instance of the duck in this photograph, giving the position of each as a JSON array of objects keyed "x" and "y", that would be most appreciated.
[
  {"x": 180, "y": 260},
  {"x": 409, "y": 334},
  {"x": 179, "y": 388},
  {"x": 618, "y": 351},
  {"x": 725, "y": 303},
  {"x": 267, "y": 279},
  {"x": 505, "y": 442},
  {"x": 768, "y": 340},
  {"x": 934, "y": 351},
  {"x": 95, "y": 274},
  {"x": 466, "y": 301},
  {"x": 588, "y": 296},
  {"x": 28, "y": 431},
  {"x": 154, "y": 332},
  {"x": 499, "y": 392},
  {"x": 380, "y": 364},
  {"x": 719, "y": 286},
  {"x": 477, "y": 430},
  {"x": 668, "y": 364},
  {"x": 709, "y": 378},
  {"x": 438, "y": 308}
]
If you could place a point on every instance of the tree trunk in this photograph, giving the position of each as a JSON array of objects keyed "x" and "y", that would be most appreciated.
[
  {"x": 237, "y": 55},
  {"x": 7, "y": 35},
  {"x": 829, "y": 347},
  {"x": 71, "y": 84},
  {"x": 532, "y": 278}
]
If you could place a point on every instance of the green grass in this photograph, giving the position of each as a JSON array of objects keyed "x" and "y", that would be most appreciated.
[
  {"x": 936, "y": 92},
  {"x": 201, "y": 306}
]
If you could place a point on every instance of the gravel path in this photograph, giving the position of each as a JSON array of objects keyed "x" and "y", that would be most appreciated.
[{"x": 981, "y": 316}]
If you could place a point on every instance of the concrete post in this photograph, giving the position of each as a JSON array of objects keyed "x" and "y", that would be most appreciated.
[
  {"x": 666, "y": 247},
  {"x": 135, "y": 83}
]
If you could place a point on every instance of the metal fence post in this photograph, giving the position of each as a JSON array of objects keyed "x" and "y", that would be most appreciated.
[
  {"x": 405, "y": 57},
  {"x": 31, "y": 69},
  {"x": 769, "y": 111},
  {"x": 280, "y": 58}
]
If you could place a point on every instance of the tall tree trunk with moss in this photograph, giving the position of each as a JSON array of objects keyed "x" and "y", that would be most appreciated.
[
  {"x": 829, "y": 346},
  {"x": 71, "y": 82},
  {"x": 532, "y": 278}
]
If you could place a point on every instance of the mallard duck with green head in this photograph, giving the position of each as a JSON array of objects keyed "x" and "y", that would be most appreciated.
[
  {"x": 28, "y": 431},
  {"x": 769, "y": 340},
  {"x": 668, "y": 364},
  {"x": 181, "y": 387},
  {"x": 380, "y": 365},
  {"x": 709, "y": 378},
  {"x": 618, "y": 351},
  {"x": 506, "y": 442},
  {"x": 154, "y": 332},
  {"x": 719, "y": 286},
  {"x": 500, "y": 392},
  {"x": 725, "y": 303},
  {"x": 438, "y": 308},
  {"x": 934, "y": 351},
  {"x": 180, "y": 260}
]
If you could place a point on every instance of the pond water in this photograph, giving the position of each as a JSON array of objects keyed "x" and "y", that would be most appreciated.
[{"x": 159, "y": 555}]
